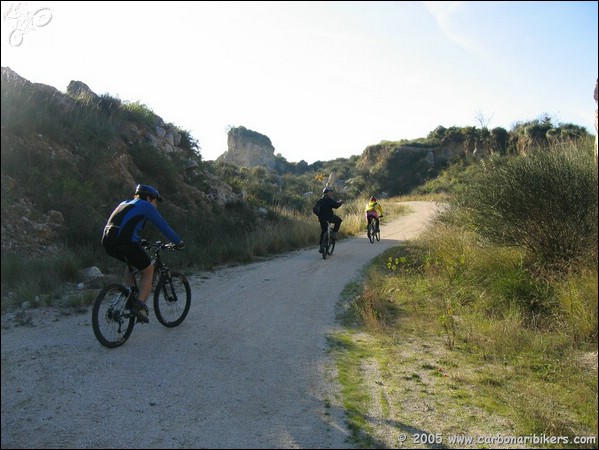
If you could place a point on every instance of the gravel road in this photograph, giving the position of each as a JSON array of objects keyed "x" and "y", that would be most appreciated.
[{"x": 247, "y": 369}]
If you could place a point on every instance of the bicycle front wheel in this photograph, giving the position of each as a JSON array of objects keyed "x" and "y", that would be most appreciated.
[
  {"x": 331, "y": 246},
  {"x": 172, "y": 299},
  {"x": 111, "y": 319}
]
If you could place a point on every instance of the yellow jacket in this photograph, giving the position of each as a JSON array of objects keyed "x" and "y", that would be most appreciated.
[{"x": 374, "y": 206}]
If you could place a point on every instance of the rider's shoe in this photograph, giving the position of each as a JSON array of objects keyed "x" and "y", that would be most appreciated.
[
  {"x": 141, "y": 311},
  {"x": 320, "y": 250}
]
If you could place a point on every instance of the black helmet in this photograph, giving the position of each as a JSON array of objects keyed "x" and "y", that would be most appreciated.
[
  {"x": 144, "y": 190},
  {"x": 326, "y": 189}
]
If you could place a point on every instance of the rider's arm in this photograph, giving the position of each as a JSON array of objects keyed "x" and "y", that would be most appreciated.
[{"x": 160, "y": 223}]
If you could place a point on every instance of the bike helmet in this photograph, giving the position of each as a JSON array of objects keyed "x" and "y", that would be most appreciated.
[
  {"x": 144, "y": 190},
  {"x": 326, "y": 189},
  {"x": 373, "y": 199}
]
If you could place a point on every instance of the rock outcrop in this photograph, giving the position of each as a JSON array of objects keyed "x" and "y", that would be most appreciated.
[{"x": 247, "y": 148}]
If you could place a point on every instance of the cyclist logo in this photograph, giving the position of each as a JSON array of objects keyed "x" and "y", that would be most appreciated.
[{"x": 24, "y": 21}]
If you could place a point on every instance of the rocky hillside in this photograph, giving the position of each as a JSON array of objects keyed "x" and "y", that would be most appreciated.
[{"x": 68, "y": 158}]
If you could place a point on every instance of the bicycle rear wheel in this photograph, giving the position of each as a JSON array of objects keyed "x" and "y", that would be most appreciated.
[
  {"x": 172, "y": 299},
  {"x": 111, "y": 319},
  {"x": 325, "y": 245},
  {"x": 371, "y": 231}
]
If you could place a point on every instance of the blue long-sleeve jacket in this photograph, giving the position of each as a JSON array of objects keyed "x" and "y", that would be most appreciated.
[{"x": 128, "y": 220}]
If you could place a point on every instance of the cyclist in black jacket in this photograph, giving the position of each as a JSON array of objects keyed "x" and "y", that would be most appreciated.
[
  {"x": 122, "y": 241},
  {"x": 327, "y": 204}
]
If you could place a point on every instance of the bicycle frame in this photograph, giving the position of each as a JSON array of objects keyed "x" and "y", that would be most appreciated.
[{"x": 160, "y": 269}]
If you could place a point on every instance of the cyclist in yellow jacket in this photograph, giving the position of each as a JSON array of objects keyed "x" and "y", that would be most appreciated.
[{"x": 373, "y": 209}]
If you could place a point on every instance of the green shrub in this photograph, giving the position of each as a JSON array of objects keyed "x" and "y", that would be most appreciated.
[
  {"x": 545, "y": 202},
  {"x": 159, "y": 169},
  {"x": 139, "y": 113}
]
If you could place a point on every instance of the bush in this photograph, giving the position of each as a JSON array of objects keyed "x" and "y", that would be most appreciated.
[{"x": 545, "y": 202}]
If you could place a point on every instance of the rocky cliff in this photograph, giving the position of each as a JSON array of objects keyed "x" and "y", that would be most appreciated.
[{"x": 247, "y": 148}]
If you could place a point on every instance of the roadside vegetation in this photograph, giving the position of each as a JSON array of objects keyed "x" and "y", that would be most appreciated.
[
  {"x": 233, "y": 236},
  {"x": 487, "y": 324}
]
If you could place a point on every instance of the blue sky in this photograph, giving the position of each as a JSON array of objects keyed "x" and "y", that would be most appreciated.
[{"x": 322, "y": 80}]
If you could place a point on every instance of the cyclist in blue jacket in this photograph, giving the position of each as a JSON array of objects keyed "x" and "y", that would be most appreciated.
[{"x": 122, "y": 241}]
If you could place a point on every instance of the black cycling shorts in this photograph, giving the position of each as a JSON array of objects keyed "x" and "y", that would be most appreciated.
[{"x": 130, "y": 253}]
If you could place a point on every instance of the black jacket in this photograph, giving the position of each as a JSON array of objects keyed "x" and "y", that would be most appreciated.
[{"x": 326, "y": 207}]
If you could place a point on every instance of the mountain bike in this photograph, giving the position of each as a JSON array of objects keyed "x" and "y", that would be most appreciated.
[
  {"x": 373, "y": 233},
  {"x": 112, "y": 316},
  {"x": 328, "y": 243}
]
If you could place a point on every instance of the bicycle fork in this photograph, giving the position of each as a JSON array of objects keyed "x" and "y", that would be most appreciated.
[{"x": 169, "y": 290}]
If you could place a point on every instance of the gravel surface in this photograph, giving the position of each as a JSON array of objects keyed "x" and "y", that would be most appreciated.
[{"x": 247, "y": 369}]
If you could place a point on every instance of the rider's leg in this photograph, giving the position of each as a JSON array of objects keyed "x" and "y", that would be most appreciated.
[
  {"x": 337, "y": 221},
  {"x": 371, "y": 216},
  {"x": 128, "y": 277},
  {"x": 134, "y": 255},
  {"x": 145, "y": 283}
]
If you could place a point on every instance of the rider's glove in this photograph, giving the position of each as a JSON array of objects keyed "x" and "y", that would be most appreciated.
[{"x": 180, "y": 245}]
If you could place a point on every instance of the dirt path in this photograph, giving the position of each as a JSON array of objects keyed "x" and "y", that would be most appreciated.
[{"x": 247, "y": 369}]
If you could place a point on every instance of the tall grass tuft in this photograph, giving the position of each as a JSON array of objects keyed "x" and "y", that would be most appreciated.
[
  {"x": 578, "y": 312},
  {"x": 36, "y": 280}
]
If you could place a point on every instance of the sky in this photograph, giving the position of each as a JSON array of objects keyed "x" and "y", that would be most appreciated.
[{"x": 323, "y": 80}]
